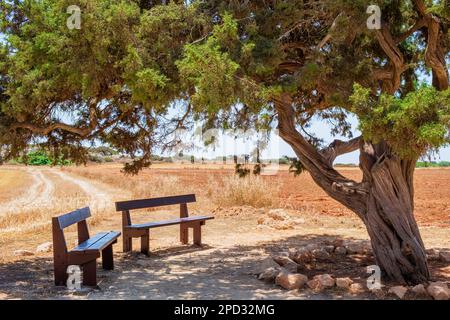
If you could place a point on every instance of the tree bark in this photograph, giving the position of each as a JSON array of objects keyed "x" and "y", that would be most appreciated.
[{"x": 396, "y": 242}]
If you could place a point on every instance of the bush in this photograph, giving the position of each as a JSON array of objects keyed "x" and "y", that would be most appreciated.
[
  {"x": 41, "y": 158},
  {"x": 38, "y": 158}
]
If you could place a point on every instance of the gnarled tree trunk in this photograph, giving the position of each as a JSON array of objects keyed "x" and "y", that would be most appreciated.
[
  {"x": 398, "y": 248},
  {"x": 384, "y": 199}
]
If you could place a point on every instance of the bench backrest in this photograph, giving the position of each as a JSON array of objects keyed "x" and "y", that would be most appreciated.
[
  {"x": 71, "y": 218},
  {"x": 155, "y": 202},
  {"x": 126, "y": 206},
  {"x": 60, "y": 223}
]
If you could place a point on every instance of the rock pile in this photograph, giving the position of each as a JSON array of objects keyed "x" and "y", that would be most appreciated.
[{"x": 283, "y": 270}]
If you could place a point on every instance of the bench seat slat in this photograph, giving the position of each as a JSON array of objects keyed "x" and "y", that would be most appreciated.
[
  {"x": 98, "y": 242},
  {"x": 151, "y": 225}
]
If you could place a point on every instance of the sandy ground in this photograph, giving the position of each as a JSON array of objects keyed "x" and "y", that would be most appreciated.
[{"x": 223, "y": 268}]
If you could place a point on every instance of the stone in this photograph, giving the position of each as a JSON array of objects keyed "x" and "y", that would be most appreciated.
[
  {"x": 44, "y": 247},
  {"x": 432, "y": 255},
  {"x": 439, "y": 290},
  {"x": 420, "y": 290},
  {"x": 301, "y": 256},
  {"x": 291, "y": 266},
  {"x": 269, "y": 274},
  {"x": 444, "y": 256},
  {"x": 329, "y": 248},
  {"x": 321, "y": 281},
  {"x": 282, "y": 259},
  {"x": 340, "y": 251},
  {"x": 312, "y": 246},
  {"x": 358, "y": 247},
  {"x": 320, "y": 254},
  {"x": 399, "y": 291},
  {"x": 344, "y": 282},
  {"x": 284, "y": 225},
  {"x": 278, "y": 214},
  {"x": 356, "y": 288},
  {"x": 338, "y": 243},
  {"x": 265, "y": 264},
  {"x": 23, "y": 253},
  {"x": 326, "y": 280},
  {"x": 285, "y": 262},
  {"x": 291, "y": 281},
  {"x": 378, "y": 292},
  {"x": 315, "y": 285}
]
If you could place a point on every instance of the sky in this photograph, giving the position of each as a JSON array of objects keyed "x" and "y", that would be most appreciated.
[{"x": 278, "y": 148}]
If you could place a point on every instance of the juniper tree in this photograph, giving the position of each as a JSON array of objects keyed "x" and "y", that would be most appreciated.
[{"x": 242, "y": 64}]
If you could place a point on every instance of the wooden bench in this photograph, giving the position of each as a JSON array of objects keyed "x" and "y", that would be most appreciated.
[
  {"x": 142, "y": 231},
  {"x": 87, "y": 251}
]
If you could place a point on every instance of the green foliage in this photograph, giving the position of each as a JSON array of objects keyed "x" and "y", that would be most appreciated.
[
  {"x": 216, "y": 90},
  {"x": 42, "y": 158},
  {"x": 135, "y": 66},
  {"x": 411, "y": 125},
  {"x": 295, "y": 167},
  {"x": 433, "y": 164}
]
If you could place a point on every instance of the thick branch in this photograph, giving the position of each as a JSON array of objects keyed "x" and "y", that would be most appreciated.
[
  {"x": 434, "y": 55},
  {"x": 421, "y": 7},
  {"x": 338, "y": 147},
  {"x": 396, "y": 58},
  {"x": 418, "y": 25},
  {"x": 82, "y": 132},
  {"x": 346, "y": 191}
]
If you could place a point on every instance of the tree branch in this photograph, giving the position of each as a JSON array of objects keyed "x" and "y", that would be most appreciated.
[
  {"x": 328, "y": 36},
  {"x": 421, "y": 7},
  {"x": 346, "y": 191},
  {"x": 339, "y": 147},
  {"x": 396, "y": 58},
  {"x": 434, "y": 54},
  {"x": 418, "y": 25},
  {"x": 82, "y": 132}
]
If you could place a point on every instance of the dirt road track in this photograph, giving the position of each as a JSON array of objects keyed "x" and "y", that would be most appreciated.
[
  {"x": 41, "y": 193},
  {"x": 38, "y": 194}
]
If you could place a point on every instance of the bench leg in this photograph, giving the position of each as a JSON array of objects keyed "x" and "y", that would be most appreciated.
[
  {"x": 184, "y": 234},
  {"x": 127, "y": 243},
  {"x": 107, "y": 258},
  {"x": 60, "y": 269},
  {"x": 145, "y": 243},
  {"x": 90, "y": 274},
  {"x": 198, "y": 234}
]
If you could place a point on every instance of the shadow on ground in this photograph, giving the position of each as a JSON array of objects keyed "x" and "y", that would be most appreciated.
[{"x": 189, "y": 272}]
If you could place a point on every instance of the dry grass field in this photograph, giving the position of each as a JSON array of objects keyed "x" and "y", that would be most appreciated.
[{"x": 236, "y": 241}]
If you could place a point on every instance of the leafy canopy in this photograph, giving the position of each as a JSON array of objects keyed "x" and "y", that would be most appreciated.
[{"x": 138, "y": 70}]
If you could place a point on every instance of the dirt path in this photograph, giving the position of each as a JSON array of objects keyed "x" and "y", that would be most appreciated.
[
  {"x": 48, "y": 192},
  {"x": 100, "y": 197},
  {"x": 37, "y": 195},
  {"x": 41, "y": 192}
]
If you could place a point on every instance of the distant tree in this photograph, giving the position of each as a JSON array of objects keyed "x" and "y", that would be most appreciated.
[{"x": 241, "y": 64}]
